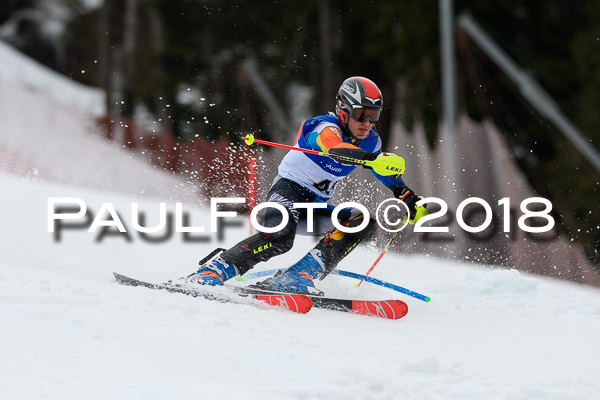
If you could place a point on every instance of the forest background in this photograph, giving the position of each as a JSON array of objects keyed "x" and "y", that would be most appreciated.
[{"x": 186, "y": 64}]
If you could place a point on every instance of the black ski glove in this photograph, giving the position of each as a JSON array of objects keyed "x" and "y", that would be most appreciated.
[{"x": 408, "y": 196}]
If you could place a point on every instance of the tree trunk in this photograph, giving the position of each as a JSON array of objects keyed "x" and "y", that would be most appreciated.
[
  {"x": 326, "y": 91},
  {"x": 129, "y": 54},
  {"x": 163, "y": 101},
  {"x": 105, "y": 54}
]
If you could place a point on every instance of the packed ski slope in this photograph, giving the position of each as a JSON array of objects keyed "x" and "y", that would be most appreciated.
[{"x": 68, "y": 331}]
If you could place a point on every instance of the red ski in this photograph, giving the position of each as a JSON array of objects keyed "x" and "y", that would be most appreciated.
[
  {"x": 389, "y": 309},
  {"x": 294, "y": 302}
]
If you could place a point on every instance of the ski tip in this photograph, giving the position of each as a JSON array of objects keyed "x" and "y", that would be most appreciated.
[
  {"x": 389, "y": 309},
  {"x": 306, "y": 303}
]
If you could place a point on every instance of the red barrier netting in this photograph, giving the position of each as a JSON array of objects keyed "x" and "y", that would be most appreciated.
[{"x": 219, "y": 168}]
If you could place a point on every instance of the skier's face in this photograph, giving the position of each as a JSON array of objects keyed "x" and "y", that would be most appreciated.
[{"x": 359, "y": 130}]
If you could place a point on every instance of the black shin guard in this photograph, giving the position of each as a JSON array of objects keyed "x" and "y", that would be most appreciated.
[
  {"x": 260, "y": 247},
  {"x": 337, "y": 244}
]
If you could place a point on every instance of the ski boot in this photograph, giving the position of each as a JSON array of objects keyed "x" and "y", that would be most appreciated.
[
  {"x": 214, "y": 273},
  {"x": 298, "y": 278}
]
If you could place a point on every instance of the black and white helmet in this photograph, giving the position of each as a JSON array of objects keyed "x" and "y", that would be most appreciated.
[{"x": 358, "y": 98}]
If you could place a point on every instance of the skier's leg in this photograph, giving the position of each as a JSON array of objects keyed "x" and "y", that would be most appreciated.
[
  {"x": 336, "y": 245},
  {"x": 261, "y": 246},
  {"x": 323, "y": 258}
]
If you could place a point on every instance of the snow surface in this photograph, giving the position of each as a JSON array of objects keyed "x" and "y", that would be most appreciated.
[
  {"x": 68, "y": 331},
  {"x": 19, "y": 68},
  {"x": 48, "y": 130}
]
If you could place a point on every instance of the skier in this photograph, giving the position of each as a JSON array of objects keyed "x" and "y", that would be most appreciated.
[{"x": 311, "y": 178}]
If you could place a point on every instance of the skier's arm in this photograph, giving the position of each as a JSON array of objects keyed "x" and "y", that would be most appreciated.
[
  {"x": 329, "y": 140},
  {"x": 402, "y": 192}
]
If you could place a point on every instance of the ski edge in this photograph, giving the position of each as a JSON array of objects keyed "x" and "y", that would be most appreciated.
[{"x": 297, "y": 303}]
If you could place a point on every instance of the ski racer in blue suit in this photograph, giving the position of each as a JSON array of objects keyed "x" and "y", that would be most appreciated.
[{"x": 305, "y": 178}]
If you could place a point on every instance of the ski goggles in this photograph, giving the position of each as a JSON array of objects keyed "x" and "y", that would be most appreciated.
[{"x": 362, "y": 114}]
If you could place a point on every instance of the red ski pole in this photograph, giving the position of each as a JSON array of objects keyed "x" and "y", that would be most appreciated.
[
  {"x": 249, "y": 139},
  {"x": 385, "y": 249},
  {"x": 388, "y": 165}
]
